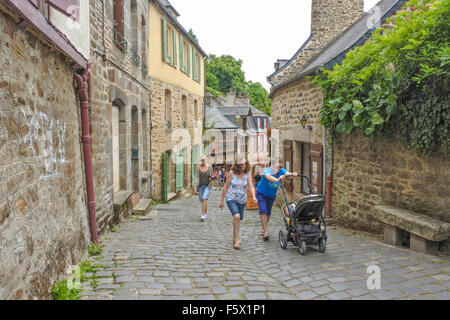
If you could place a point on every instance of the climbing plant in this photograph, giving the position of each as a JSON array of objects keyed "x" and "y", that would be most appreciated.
[{"x": 397, "y": 82}]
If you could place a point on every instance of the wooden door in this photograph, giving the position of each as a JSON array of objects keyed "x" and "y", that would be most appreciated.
[
  {"x": 317, "y": 168},
  {"x": 288, "y": 163}
]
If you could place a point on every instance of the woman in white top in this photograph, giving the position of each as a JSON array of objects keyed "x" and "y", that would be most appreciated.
[{"x": 235, "y": 194}]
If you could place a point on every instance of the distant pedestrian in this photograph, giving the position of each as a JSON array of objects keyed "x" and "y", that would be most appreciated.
[
  {"x": 235, "y": 194},
  {"x": 203, "y": 177},
  {"x": 220, "y": 179},
  {"x": 266, "y": 192},
  {"x": 215, "y": 178}
]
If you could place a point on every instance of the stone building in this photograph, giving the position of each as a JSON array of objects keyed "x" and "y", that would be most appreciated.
[
  {"x": 376, "y": 185},
  {"x": 336, "y": 27},
  {"x": 120, "y": 108},
  {"x": 238, "y": 129},
  {"x": 176, "y": 71},
  {"x": 44, "y": 224}
]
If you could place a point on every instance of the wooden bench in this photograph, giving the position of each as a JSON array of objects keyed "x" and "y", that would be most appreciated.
[{"x": 425, "y": 232}]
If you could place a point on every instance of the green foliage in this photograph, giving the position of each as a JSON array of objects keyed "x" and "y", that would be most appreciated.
[
  {"x": 95, "y": 249},
  {"x": 259, "y": 97},
  {"x": 60, "y": 291},
  {"x": 397, "y": 83},
  {"x": 193, "y": 36},
  {"x": 225, "y": 73}
]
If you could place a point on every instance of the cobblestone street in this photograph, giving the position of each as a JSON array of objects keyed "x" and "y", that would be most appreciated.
[{"x": 175, "y": 256}]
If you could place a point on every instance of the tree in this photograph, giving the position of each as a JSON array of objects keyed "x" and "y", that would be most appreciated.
[
  {"x": 193, "y": 36},
  {"x": 259, "y": 97},
  {"x": 225, "y": 73}
]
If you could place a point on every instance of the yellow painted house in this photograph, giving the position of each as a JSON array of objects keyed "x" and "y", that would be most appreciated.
[{"x": 176, "y": 71}]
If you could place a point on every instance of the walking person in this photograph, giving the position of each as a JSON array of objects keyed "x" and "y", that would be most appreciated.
[
  {"x": 235, "y": 194},
  {"x": 220, "y": 178},
  {"x": 203, "y": 177},
  {"x": 266, "y": 193}
]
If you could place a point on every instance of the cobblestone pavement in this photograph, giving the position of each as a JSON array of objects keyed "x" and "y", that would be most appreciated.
[{"x": 175, "y": 256}]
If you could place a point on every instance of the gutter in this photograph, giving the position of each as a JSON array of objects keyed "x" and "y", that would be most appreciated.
[{"x": 82, "y": 86}]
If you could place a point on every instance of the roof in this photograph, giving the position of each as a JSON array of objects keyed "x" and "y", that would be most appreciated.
[
  {"x": 163, "y": 6},
  {"x": 169, "y": 5},
  {"x": 285, "y": 63},
  {"x": 353, "y": 36},
  {"x": 216, "y": 119}
]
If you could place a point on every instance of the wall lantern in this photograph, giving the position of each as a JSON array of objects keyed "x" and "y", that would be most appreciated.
[{"x": 304, "y": 121}]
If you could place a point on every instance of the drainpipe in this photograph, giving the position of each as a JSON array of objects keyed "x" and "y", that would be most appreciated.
[
  {"x": 329, "y": 177},
  {"x": 82, "y": 85}
]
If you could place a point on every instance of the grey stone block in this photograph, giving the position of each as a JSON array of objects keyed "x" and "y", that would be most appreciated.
[{"x": 423, "y": 245}]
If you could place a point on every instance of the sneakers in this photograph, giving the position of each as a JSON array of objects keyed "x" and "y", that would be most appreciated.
[{"x": 204, "y": 216}]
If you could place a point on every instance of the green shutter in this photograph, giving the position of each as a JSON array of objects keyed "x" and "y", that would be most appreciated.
[
  {"x": 164, "y": 36},
  {"x": 189, "y": 59},
  {"x": 182, "y": 67},
  {"x": 175, "y": 55},
  {"x": 199, "y": 68},
  {"x": 194, "y": 64}
]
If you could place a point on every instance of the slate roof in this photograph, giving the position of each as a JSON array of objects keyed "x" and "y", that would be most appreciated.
[
  {"x": 169, "y": 5},
  {"x": 214, "y": 117},
  {"x": 353, "y": 36}
]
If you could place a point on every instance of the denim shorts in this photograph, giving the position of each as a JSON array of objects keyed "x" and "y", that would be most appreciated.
[
  {"x": 236, "y": 208},
  {"x": 265, "y": 204},
  {"x": 203, "y": 193}
]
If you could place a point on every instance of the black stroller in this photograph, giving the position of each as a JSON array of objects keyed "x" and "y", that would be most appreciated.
[{"x": 304, "y": 221}]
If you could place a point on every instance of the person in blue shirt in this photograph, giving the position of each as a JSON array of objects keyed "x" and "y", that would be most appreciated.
[{"x": 266, "y": 192}]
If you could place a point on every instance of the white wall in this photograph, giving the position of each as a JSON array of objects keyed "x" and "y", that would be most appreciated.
[{"x": 78, "y": 32}]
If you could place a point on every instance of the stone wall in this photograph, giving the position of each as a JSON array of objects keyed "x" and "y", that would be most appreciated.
[
  {"x": 116, "y": 80},
  {"x": 43, "y": 214},
  {"x": 165, "y": 139},
  {"x": 369, "y": 172}
]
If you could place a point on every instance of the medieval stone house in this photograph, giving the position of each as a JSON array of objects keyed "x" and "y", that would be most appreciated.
[
  {"x": 176, "y": 71},
  {"x": 44, "y": 224},
  {"x": 120, "y": 108},
  {"x": 373, "y": 183}
]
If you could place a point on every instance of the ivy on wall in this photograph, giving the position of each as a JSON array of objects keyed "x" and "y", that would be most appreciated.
[{"x": 397, "y": 83}]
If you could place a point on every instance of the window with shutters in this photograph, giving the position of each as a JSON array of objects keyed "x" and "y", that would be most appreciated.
[{"x": 194, "y": 64}]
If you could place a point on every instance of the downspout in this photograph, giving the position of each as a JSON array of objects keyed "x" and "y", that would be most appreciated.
[
  {"x": 329, "y": 170},
  {"x": 82, "y": 86}
]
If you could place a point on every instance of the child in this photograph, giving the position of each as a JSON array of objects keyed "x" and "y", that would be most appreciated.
[{"x": 286, "y": 212}]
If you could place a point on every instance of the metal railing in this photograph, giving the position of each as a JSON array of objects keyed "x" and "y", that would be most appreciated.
[{"x": 123, "y": 45}]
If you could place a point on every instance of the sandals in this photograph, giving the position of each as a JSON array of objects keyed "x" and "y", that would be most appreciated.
[
  {"x": 266, "y": 237},
  {"x": 236, "y": 245}
]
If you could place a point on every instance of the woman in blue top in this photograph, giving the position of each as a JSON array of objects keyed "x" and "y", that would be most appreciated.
[
  {"x": 266, "y": 192},
  {"x": 235, "y": 194}
]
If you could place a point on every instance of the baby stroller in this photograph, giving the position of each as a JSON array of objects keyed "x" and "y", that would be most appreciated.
[{"x": 304, "y": 222}]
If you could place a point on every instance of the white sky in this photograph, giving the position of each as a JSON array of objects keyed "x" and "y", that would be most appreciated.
[{"x": 254, "y": 31}]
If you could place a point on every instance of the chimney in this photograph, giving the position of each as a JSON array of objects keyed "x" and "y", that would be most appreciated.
[
  {"x": 208, "y": 100},
  {"x": 331, "y": 17},
  {"x": 231, "y": 99}
]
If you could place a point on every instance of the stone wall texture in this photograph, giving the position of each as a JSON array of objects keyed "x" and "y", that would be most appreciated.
[
  {"x": 369, "y": 172},
  {"x": 116, "y": 80},
  {"x": 43, "y": 214}
]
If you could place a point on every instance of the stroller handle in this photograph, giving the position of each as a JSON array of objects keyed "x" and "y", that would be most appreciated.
[{"x": 302, "y": 176}]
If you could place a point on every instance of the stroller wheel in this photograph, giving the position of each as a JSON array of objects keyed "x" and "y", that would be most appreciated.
[
  {"x": 302, "y": 248},
  {"x": 322, "y": 245},
  {"x": 283, "y": 239}
]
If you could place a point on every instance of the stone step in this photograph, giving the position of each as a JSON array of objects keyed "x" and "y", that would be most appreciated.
[{"x": 142, "y": 208}]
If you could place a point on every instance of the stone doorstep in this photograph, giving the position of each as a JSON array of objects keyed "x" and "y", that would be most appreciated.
[
  {"x": 415, "y": 223},
  {"x": 121, "y": 197},
  {"x": 142, "y": 207}
]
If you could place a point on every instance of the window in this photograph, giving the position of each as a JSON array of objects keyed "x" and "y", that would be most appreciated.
[
  {"x": 168, "y": 110},
  {"x": 167, "y": 41},
  {"x": 182, "y": 53},
  {"x": 199, "y": 68},
  {"x": 119, "y": 25},
  {"x": 194, "y": 64}
]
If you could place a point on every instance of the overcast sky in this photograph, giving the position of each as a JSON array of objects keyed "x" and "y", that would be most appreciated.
[{"x": 256, "y": 31}]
